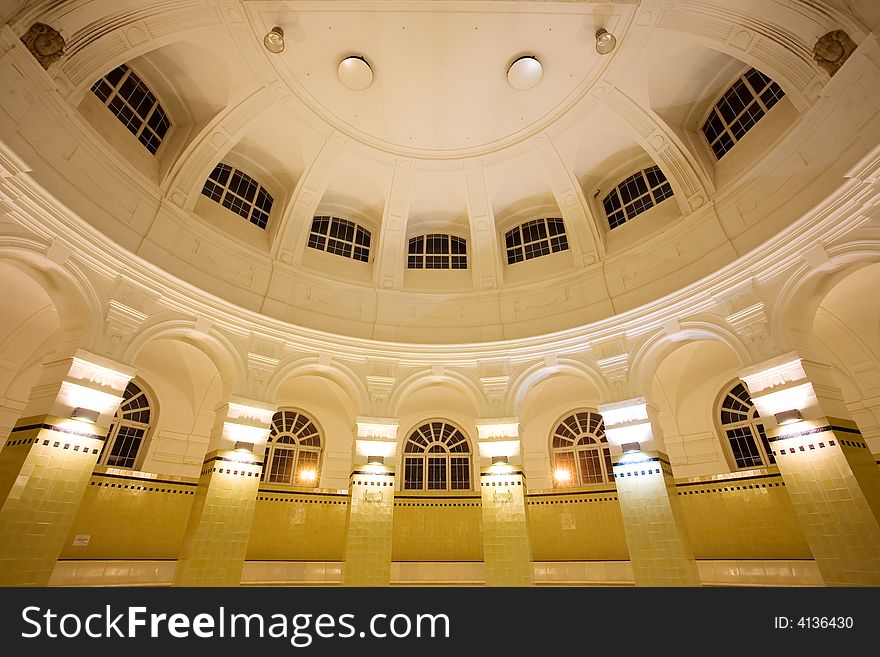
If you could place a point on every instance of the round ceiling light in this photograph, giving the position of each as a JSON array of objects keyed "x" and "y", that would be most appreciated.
[
  {"x": 605, "y": 41},
  {"x": 274, "y": 40},
  {"x": 355, "y": 73},
  {"x": 524, "y": 73}
]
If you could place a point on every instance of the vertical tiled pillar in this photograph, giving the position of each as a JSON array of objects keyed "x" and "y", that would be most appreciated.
[
  {"x": 371, "y": 504},
  {"x": 216, "y": 538},
  {"x": 48, "y": 458},
  {"x": 659, "y": 546},
  {"x": 829, "y": 472},
  {"x": 507, "y": 548}
]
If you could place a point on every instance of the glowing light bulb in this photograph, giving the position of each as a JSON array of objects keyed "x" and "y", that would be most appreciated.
[
  {"x": 307, "y": 476},
  {"x": 562, "y": 476}
]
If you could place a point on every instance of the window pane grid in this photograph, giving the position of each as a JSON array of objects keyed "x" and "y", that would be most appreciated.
[
  {"x": 237, "y": 191},
  {"x": 437, "y": 458},
  {"x": 343, "y": 238},
  {"x": 535, "y": 238},
  {"x": 130, "y": 425},
  {"x": 293, "y": 450},
  {"x": 641, "y": 191},
  {"x": 435, "y": 251},
  {"x": 744, "y": 431},
  {"x": 580, "y": 451},
  {"x": 132, "y": 102},
  {"x": 738, "y": 110}
]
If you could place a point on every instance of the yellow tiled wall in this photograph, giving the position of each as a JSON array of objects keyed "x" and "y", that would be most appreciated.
[
  {"x": 742, "y": 518},
  {"x": 437, "y": 529},
  {"x": 369, "y": 530},
  {"x": 45, "y": 465},
  {"x": 219, "y": 525},
  {"x": 576, "y": 525},
  {"x": 297, "y": 526},
  {"x": 131, "y": 516}
]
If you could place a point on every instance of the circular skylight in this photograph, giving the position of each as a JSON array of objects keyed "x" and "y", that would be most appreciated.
[
  {"x": 524, "y": 73},
  {"x": 355, "y": 73}
]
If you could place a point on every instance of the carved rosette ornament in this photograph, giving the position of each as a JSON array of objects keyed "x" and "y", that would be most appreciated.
[
  {"x": 44, "y": 43},
  {"x": 832, "y": 50}
]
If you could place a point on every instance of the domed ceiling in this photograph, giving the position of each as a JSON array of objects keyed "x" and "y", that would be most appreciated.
[{"x": 439, "y": 142}]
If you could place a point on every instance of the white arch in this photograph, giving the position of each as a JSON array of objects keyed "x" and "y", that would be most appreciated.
[
  {"x": 424, "y": 378},
  {"x": 337, "y": 373},
  {"x": 217, "y": 347},
  {"x": 653, "y": 351},
  {"x": 532, "y": 376}
]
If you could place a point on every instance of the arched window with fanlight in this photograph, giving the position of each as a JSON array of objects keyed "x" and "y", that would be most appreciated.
[
  {"x": 580, "y": 451},
  {"x": 437, "y": 456},
  {"x": 743, "y": 428},
  {"x": 293, "y": 450},
  {"x": 128, "y": 433}
]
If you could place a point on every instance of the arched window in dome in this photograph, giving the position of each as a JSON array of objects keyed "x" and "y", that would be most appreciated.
[
  {"x": 579, "y": 451},
  {"x": 635, "y": 194},
  {"x": 237, "y": 191},
  {"x": 437, "y": 456},
  {"x": 340, "y": 236},
  {"x": 127, "y": 434},
  {"x": 535, "y": 238},
  {"x": 136, "y": 107},
  {"x": 743, "y": 428},
  {"x": 745, "y": 103},
  {"x": 435, "y": 251},
  {"x": 293, "y": 450}
]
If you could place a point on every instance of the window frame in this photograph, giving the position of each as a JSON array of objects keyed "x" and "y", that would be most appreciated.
[
  {"x": 727, "y": 125},
  {"x": 120, "y": 422},
  {"x": 515, "y": 243},
  {"x": 144, "y": 119},
  {"x": 448, "y": 259},
  {"x": 601, "y": 446},
  {"x": 753, "y": 422},
  {"x": 225, "y": 190},
  {"x": 357, "y": 248},
  {"x": 426, "y": 454},
  {"x": 272, "y": 448},
  {"x": 655, "y": 194}
]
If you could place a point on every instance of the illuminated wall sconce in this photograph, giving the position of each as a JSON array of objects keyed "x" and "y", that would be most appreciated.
[
  {"x": 499, "y": 459},
  {"x": 787, "y": 417},
  {"x": 562, "y": 476},
  {"x": 630, "y": 447},
  {"x": 274, "y": 40},
  {"x": 85, "y": 414},
  {"x": 307, "y": 476},
  {"x": 242, "y": 446},
  {"x": 375, "y": 460}
]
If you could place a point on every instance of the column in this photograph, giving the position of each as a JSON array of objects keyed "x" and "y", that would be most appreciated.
[
  {"x": 659, "y": 546},
  {"x": 371, "y": 504},
  {"x": 829, "y": 472},
  {"x": 216, "y": 538},
  {"x": 48, "y": 458},
  {"x": 507, "y": 548}
]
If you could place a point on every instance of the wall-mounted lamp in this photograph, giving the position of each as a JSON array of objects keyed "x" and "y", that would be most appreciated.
[
  {"x": 375, "y": 460},
  {"x": 562, "y": 475},
  {"x": 307, "y": 476},
  {"x": 499, "y": 459},
  {"x": 605, "y": 41},
  {"x": 242, "y": 446},
  {"x": 630, "y": 447},
  {"x": 787, "y": 417},
  {"x": 85, "y": 414},
  {"x": 274, "y": 40}
]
